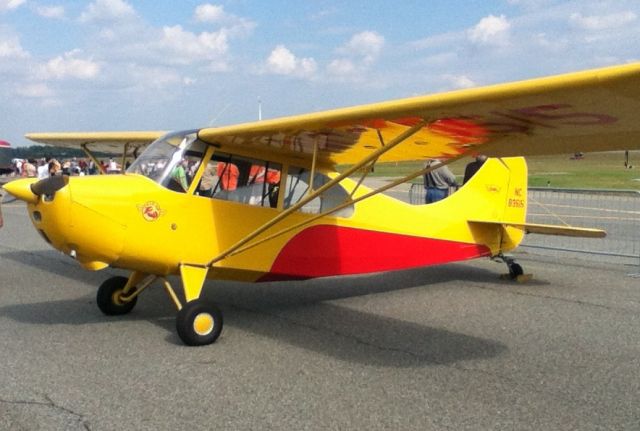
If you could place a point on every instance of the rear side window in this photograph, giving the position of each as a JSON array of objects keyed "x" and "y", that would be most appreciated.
[{"x": 298, "y": 186}]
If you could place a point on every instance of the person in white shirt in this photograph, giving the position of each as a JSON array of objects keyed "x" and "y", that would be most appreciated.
[
  {"x": 43, "y": 169},
  {"x": 112, "y": 167}
]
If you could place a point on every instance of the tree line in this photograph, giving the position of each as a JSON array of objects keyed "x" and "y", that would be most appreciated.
[{"x": 41, "y": 152}]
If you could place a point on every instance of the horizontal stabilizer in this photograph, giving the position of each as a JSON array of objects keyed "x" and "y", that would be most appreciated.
[{"x": 549, "y": 229}]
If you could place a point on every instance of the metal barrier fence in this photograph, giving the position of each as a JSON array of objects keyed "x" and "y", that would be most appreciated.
[{"x": 617, "y": 212}]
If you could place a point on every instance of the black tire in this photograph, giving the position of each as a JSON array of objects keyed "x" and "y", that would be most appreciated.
[
  {"x": 108, "y": 294},
  {"x": 515, "y": 270},
  {"x": 199, "y": 323}
]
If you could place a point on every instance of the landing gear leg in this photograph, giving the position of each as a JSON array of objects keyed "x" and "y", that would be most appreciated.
[{"x": 118, "y": 295}]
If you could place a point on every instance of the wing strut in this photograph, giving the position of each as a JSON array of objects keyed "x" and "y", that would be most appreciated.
[
  {"x": 313, "y": 166},
  {"x": 89, "y": 154},
  {"x": 365, "y": 173},
  {"x": 346, "y": 204},
  {"x": 371, "y": 157},
  {"x": 124, "y": 157},
  {"x": 85, "y": 147}
]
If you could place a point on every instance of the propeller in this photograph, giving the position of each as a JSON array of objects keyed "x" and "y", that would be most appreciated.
[
  {"x": 30, "y": 189},
  {"x": 49, "y": 186}
]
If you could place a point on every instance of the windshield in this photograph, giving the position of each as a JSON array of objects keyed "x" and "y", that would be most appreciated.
[{"x": 171, "y": 158}]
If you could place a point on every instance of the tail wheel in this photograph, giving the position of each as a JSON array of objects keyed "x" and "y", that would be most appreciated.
[
  {"x": 199, "y": 323},
  {"x": 515, "y": 270},
  {"x": 109, "y": 294}
]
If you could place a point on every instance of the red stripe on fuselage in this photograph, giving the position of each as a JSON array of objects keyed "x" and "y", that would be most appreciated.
[{"x": 325, "y": 250}]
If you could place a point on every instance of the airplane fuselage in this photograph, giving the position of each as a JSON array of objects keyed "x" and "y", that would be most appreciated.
[{"x": 130, "y": 221}]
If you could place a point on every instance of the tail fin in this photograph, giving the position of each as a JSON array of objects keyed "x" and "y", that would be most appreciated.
[
  {"x": 485, "y": 217},
  {"x": 497, "y": 194},
  {"x": 515, "y": 204},
  {"x": 513, "y": 217}
]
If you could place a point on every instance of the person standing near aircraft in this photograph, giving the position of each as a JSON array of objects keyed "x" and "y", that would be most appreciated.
[
  {"x": 29, "y": 169},
  {"x": 43, "y": 169},
  {"x": 473, "y": 167},
  {"x": 17, "y": 164},
  {"x": 54, "y": 167},
  {"x": 112, "y": 167},
  {"x": 438, "y": 181}
]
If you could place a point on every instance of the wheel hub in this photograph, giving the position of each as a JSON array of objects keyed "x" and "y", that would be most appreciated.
[
  {"x": 203, "y": 324},
  {"x": 116, "y": 298}
]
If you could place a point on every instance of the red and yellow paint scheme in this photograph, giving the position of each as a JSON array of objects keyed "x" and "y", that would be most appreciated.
[{"x": 263, "y": 201}]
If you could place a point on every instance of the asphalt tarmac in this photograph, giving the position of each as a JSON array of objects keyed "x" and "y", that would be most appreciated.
[{"x": 444, "y": 348}]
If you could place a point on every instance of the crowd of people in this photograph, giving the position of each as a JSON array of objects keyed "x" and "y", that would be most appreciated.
[{"x": 43, "y": 168}]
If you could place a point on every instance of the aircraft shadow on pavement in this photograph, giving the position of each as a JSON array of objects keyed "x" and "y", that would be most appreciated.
[
  {"x": 280, "y": 295},
  {"x": 353, "y": 335},
  {"x": 58, "y": 264},
  {"x": 295, "y": 312},
  {"x": 366, "y": 338}
]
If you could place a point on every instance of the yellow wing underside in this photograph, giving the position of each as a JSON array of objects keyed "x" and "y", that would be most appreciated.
[
  {"x": 106, "y": 142},
  {"x": 594, "y": 110}
]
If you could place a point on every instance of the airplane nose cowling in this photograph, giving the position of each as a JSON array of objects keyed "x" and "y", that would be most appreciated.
[
  {"x": 79, "y": 216},
  {"x": 97, "y": 226},
  {"x": 21, "y": 189}
]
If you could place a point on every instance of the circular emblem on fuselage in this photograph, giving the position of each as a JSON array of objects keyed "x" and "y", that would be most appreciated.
[{"x": 151, "y": 211}]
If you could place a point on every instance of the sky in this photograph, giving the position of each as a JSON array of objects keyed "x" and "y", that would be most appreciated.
[{"x": 110, "y": 65}]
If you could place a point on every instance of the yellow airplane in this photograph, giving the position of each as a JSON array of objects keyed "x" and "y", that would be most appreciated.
[{"x": 263, "y": 201}]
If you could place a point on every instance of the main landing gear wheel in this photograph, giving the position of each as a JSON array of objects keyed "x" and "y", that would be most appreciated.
[
  {"x": 108, "y": 297},
  {"x": 199, "y": 323}
]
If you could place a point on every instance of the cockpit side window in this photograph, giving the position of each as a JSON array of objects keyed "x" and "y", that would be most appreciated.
[
  {"x": 172, "y": 160},
  {"x": 241, "y": 179},
  {"x": 181, "y": 175},
  {"x": 258, "y": 182}
]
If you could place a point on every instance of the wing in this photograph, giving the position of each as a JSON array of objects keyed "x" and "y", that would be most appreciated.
[
  {"x": 594, "y": 110},
  {"x": 104, "y": 142}
]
